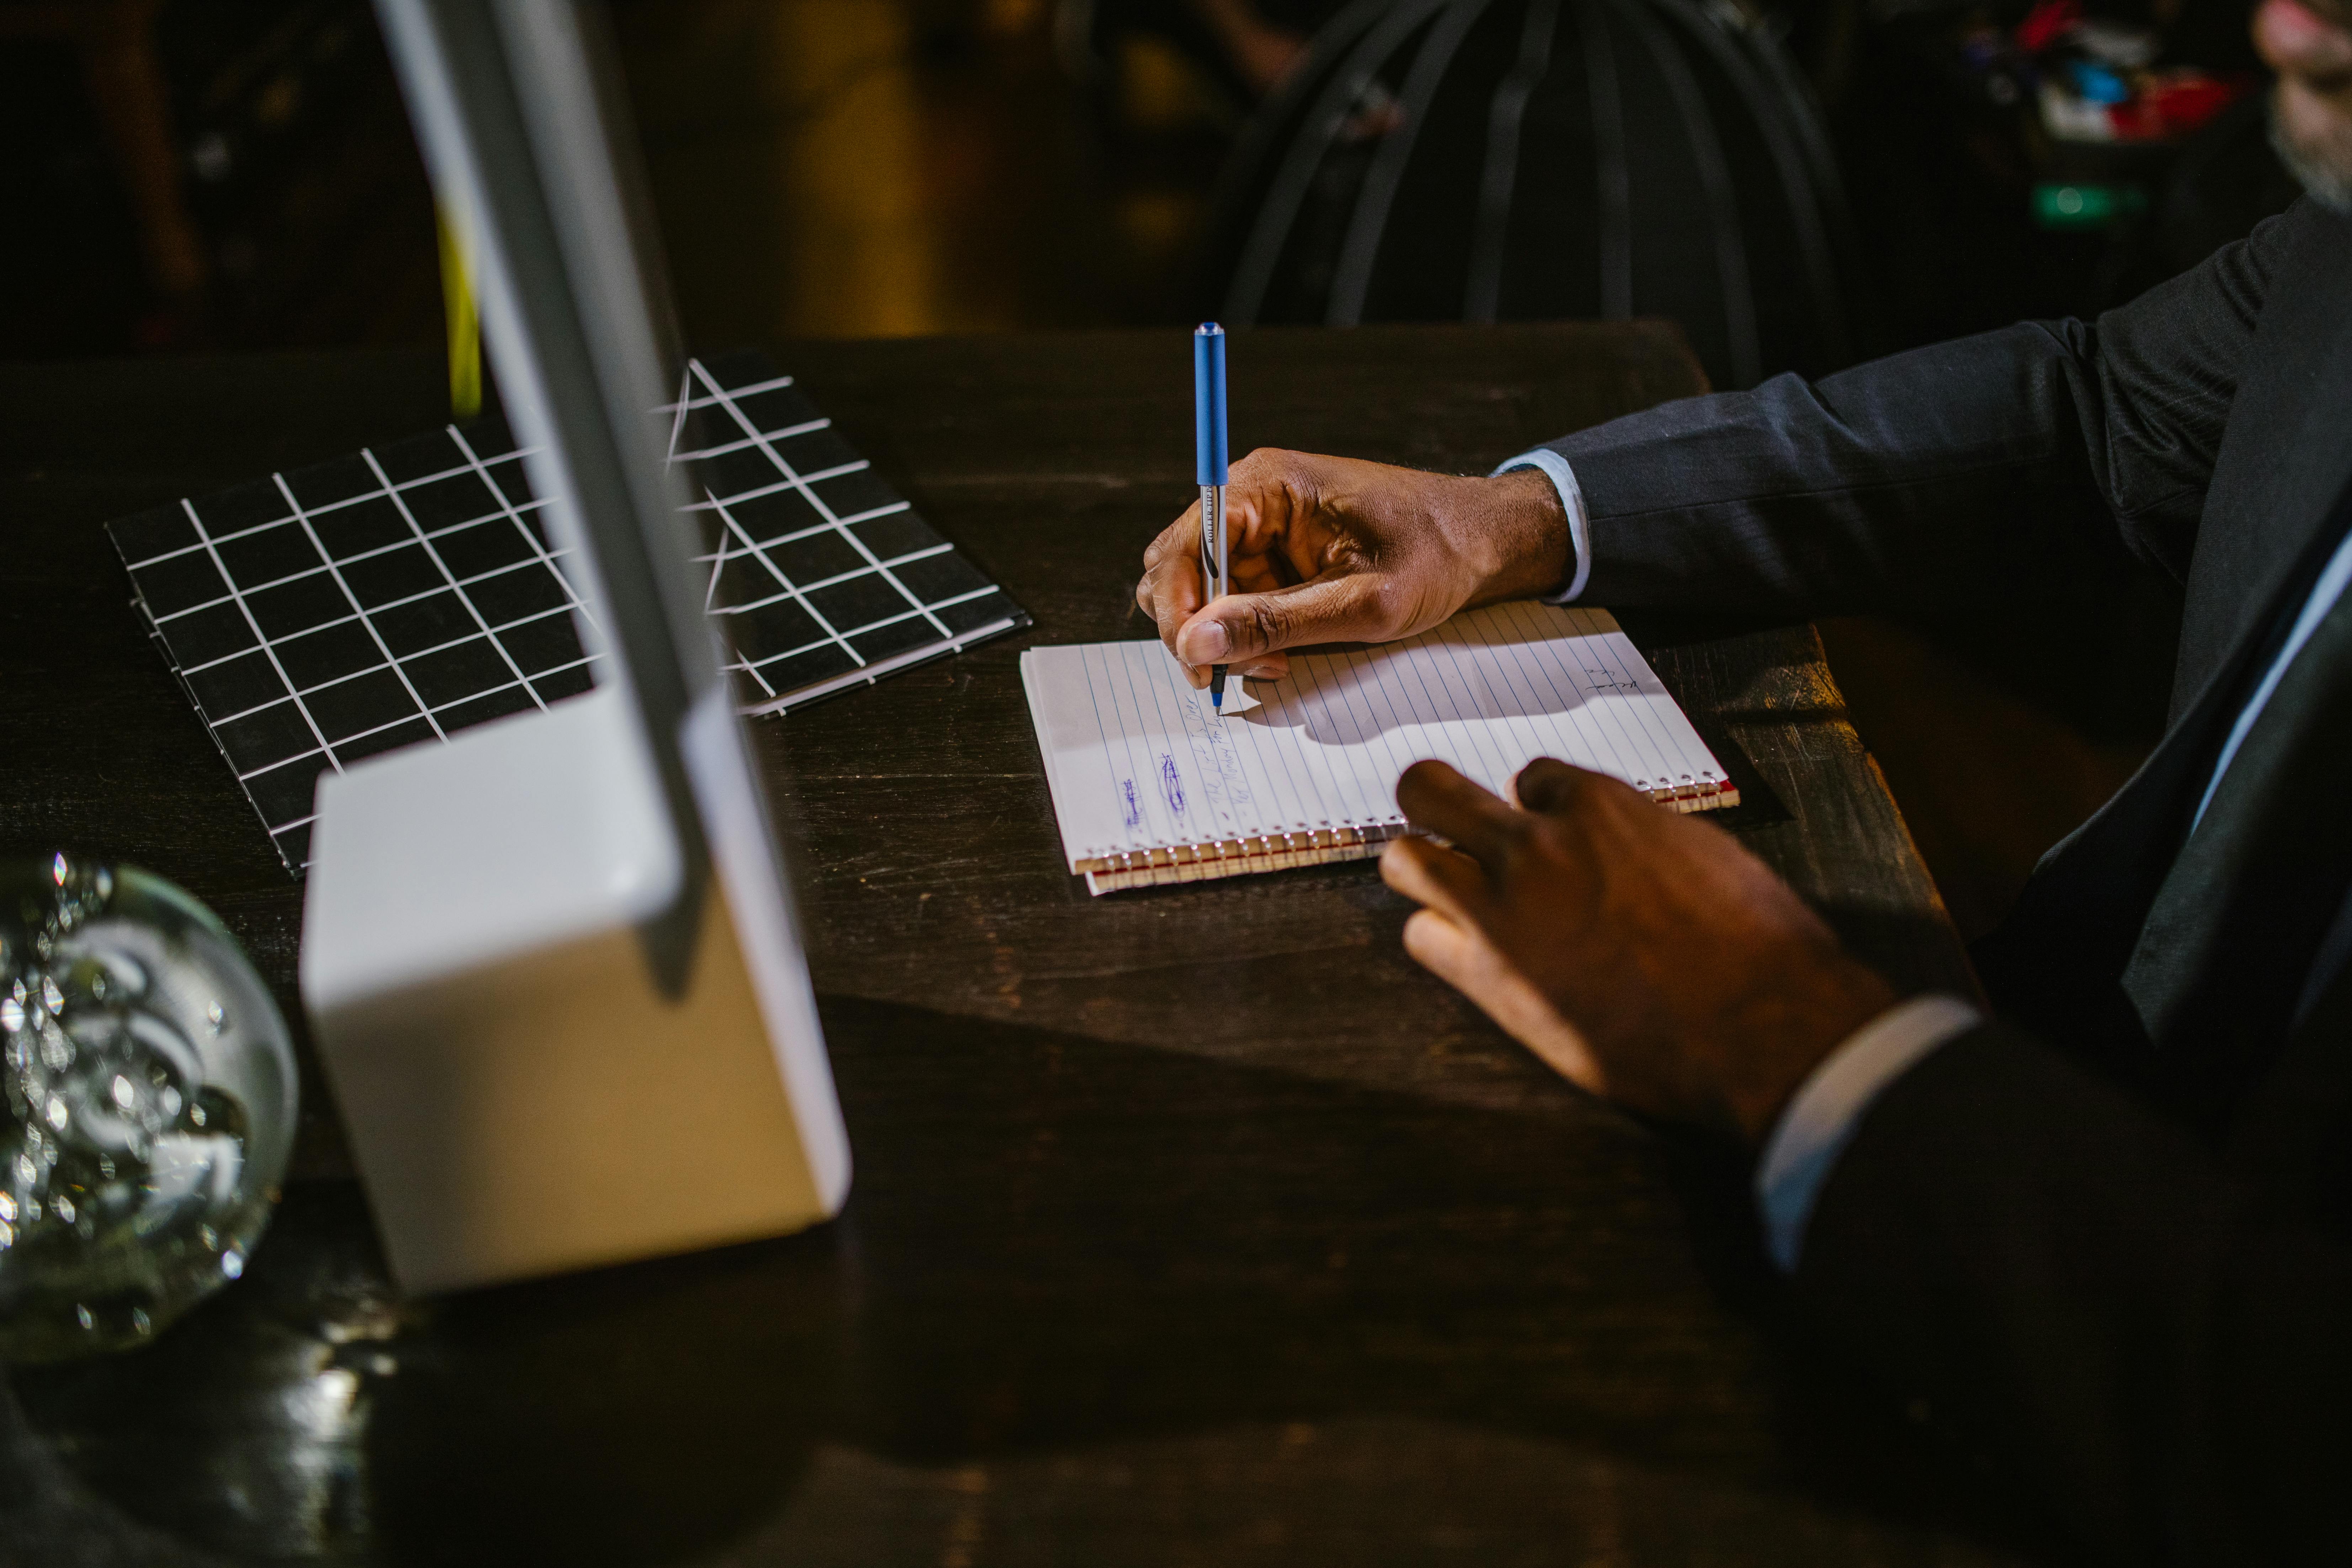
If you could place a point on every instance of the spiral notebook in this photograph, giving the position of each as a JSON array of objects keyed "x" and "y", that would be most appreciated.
[{"x": 1152, "y": 786}]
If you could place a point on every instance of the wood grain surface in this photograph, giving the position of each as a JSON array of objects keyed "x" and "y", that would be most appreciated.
[{"x": 1190, "y": 1225}]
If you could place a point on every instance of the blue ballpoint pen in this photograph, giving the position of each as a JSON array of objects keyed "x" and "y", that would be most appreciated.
[{"x": 1209, "y": 453}]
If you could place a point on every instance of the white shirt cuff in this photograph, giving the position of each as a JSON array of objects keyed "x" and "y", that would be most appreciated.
[
  {"x": 1821, "y": 1120},
  {"x": 1571, "y": 500}
]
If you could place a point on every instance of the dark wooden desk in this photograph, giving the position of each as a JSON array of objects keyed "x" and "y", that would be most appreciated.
[{"x": 1189, "y": 1226}]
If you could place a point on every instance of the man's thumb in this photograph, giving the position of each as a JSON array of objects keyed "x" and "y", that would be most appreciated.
[{"x": 1244, "y": 625}]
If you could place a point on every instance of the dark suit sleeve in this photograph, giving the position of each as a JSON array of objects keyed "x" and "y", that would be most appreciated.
[
  {"x": 2074, "y": 1286},
  {"x": 1936, "y": 474}
]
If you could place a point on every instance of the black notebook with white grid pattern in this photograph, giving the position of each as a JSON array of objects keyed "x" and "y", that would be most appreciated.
[{"x": 404, "y": 593}]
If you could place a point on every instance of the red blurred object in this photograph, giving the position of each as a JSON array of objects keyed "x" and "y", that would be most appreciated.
[
  {"x": 2173, "y": 103},
  {"x": 2048, "y": 23}
]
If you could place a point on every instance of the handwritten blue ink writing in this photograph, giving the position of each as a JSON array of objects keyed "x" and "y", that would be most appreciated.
[{"x": 1222, "y": 783}]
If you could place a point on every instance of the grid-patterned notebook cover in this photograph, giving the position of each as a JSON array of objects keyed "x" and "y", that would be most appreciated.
[{"x": 406, "y": 592}]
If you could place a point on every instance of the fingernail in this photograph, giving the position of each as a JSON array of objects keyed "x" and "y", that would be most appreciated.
[{"x": 1207, "y": 643}]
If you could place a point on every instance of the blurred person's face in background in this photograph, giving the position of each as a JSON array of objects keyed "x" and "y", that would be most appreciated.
[{"x": 2309, "y": 44}]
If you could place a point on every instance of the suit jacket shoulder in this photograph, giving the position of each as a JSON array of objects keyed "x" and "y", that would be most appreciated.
[
  {"x": 1936, "y": 475},
  {"x": 2285, "y": 454}
]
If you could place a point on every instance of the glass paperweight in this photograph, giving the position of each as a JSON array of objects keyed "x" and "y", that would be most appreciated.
[{"x": 150, "y": 1107}]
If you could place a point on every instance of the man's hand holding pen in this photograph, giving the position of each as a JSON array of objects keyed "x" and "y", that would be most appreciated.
[{"x": 1337, "y": 550}]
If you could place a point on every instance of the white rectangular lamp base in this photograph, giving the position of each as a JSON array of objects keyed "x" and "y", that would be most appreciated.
[{"x": 522, "y": 1097}]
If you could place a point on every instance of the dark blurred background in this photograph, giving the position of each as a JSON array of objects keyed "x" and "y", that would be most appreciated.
[
  {"x": 239, "y": 173},
  {"x": 1801, "y": 183}
]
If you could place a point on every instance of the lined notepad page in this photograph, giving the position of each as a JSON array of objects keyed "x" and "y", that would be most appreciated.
[{"x": 1151, "y": 785}]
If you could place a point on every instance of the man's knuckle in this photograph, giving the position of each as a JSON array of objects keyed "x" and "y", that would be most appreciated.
[
  {"x": 1269, "y": 621},
  {"x": 1549, "y": 838},
  {"x": 1557, "y": 780},
  {"x": 1520, "y": 837}
]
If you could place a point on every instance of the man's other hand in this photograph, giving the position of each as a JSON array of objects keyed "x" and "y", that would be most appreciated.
[
  {"x": 1337, "y": 550},
  {"x": 1643, "y": 954}
]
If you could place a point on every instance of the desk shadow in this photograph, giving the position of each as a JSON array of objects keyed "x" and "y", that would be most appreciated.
[{"x": 1055, "y": 1244}]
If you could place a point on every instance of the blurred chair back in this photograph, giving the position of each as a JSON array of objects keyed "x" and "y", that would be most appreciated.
[{"x": 1523, "y": 159}]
